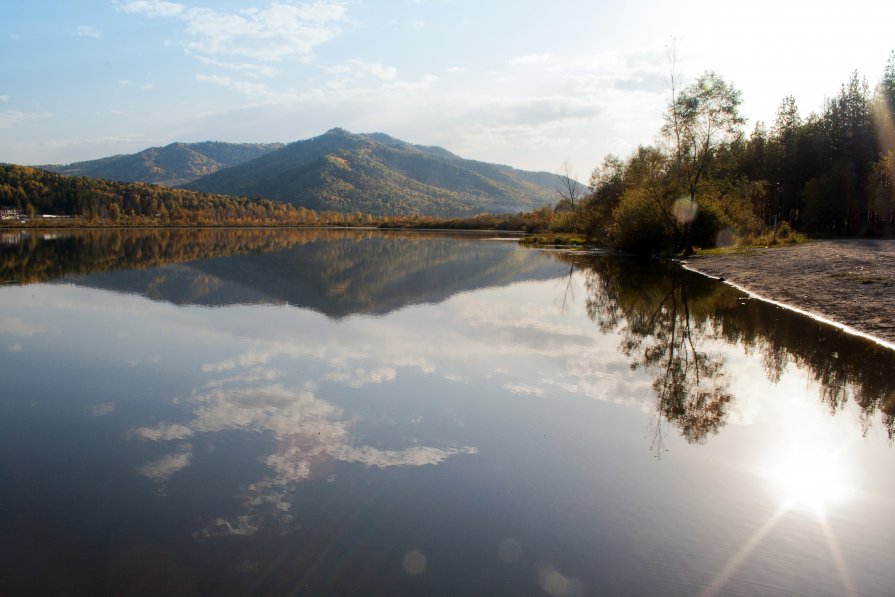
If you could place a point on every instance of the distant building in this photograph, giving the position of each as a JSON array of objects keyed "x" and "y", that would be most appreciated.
[{"x": 10, "y": 213}]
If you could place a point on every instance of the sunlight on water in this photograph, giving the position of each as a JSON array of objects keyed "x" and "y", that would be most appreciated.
[
  {"x": 810, "y": 477},
  {"x": 365, "y": 413}
]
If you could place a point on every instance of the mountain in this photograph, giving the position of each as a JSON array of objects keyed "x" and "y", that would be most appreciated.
[
  {"x": 335, "y": 272},
  {"x": 378, "y": 174},
  {"x": 171, "y": 165},
  {"x": 42, "y": 192}
]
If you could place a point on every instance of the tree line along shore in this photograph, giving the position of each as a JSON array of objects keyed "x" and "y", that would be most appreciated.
[{"x": 705, "y": 182}]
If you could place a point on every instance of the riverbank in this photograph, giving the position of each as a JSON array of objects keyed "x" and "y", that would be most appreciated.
[{"x": 847, "y": 282}]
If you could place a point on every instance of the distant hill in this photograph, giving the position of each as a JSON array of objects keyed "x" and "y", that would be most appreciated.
[
  {"x": 37, "y": 191},
  {"x": 378, "y": 174},
  {"x": 336, "y": 272},
  {"x": 171, "y": 165}
]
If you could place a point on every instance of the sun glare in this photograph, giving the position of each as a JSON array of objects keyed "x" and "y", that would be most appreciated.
[{"x": 809, "y": 477}]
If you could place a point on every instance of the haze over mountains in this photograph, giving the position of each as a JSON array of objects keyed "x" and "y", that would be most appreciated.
[
  {"x": 171, "y": 165},
  {"x": 337, "y": 171}
]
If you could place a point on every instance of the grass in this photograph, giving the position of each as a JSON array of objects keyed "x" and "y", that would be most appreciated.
[
  {"x": 785, "y": 237},
  {"x": 554, "y": 239}
]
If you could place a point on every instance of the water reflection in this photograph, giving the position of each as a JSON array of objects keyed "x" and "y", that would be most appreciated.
[
  {"x": 336, "y": 272},
  {"x": 487, "y": 431},
  {"x": 671, "y": 323}
]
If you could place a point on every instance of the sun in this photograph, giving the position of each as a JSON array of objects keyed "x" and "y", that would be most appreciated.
[{"x": 809, "y": 477}]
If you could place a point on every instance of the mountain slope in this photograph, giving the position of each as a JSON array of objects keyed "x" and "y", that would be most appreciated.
[
  {"x": 171, "y": 165},
  {"x": 378, "y": 174}
]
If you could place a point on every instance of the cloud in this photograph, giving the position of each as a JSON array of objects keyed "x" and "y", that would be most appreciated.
[
  {"x": 164, "y": 432},
  {"x": 521, "y": 388},
  {"x": 650, "y": 82},
  {"x": 152, "y": 8},
  {"x": 362, "y": 69},
  {"x": 4, "y": 98},
  {"x": 531, "y": 59},
  {"x": 162, "y": 469},
  {"x": 142, "y": 87},
  {"x": 250, "y": 69},
  {"x": 102, "y": 409},
  {"x": 309, "y": 434},
  {"x": 14, "y": 326},
  {"x": 248, "y": 88},
  {"x": 11, "y": 118},
  {"x": 88, "y": 31},
  {"x": 414, "y": 456},
  {"x": 361, "y": 377},
  {"x": 278, "y": 32}
]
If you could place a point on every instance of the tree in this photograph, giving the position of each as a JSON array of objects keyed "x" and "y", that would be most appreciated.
[
  {"x": 704, "y": 115},
  {"x": 885, "y": 104},
  {"x": 607, "y": 184},
  {"x": 569, "y": 189}
]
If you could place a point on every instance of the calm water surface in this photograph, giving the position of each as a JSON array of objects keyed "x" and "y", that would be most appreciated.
[{"x": 335, "y": 413}]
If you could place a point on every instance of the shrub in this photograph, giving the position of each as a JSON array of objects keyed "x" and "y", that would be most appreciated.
[
  {"x": 639, "y": 226},
  {"x": 710, "y": 219},
  {"x": 566, "y": 221}
]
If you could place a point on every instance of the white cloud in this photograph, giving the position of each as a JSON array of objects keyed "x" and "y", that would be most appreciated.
[
  {"x": 248, "y": 88},
  {"x": 361, "y": 69},
  {"x": 11, "y": 118},
  {"x": 19, "y": 327},
  {"x": 277, "y": 32},
  {"x": 152, "y": 8},
  {"x": 4, "y": 98},
  {"x": 164, "y": 432},
  {"x": 309, "y": 434},
  {"x": 530, "y": 59},
  {"x": 361, "y": 377},
  {"x": 161, "y": 469},
  {"x": 415, "y": 456},
  {"x": 88, "y": 31},
  {"x": 521, "y": 388},
  {"x": 250, "y": 69},
  {"x": 147, "y": 86}
]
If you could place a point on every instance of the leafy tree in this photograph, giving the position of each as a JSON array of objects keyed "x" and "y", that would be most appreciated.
[{"x": 700, "y": 119}]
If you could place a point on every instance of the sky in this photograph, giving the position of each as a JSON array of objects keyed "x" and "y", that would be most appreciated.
[{"x": 535, "y": 85}]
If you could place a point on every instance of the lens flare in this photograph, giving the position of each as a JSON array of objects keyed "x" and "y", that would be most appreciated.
[
  {"x": 727, "y": 237},
  {"x": 684, "y": 210}
]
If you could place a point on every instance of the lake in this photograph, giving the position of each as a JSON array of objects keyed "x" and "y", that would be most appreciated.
[{"x": 336, "y": 412}]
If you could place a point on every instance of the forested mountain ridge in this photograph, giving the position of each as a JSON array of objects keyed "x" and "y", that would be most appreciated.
[
  {"x": 171, "y": 165},
  {"x": 380, "y": 175},
  {"x": 34, "y": 191}
]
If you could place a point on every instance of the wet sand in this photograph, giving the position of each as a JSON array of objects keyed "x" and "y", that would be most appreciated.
[{"x": 848, "y": 282}]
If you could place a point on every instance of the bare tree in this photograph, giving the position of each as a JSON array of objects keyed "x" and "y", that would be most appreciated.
[{"x": 570, "y": 190}]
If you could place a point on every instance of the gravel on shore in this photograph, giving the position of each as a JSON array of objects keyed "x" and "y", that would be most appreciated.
[{"x": 848, "y": 282}]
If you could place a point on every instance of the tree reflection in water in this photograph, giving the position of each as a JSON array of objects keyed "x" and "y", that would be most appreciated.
[{"x": 671, "y": 322}]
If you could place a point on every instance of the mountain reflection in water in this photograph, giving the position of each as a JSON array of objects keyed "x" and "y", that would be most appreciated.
[
  {"x": 357, "y": 412},
  {"x": 335, "y": 272}
]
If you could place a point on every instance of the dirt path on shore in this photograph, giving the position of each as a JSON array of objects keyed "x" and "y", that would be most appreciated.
[{"x": 850, "y": 282}]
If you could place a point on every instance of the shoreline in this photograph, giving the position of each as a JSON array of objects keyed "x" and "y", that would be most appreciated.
[{"x": 849, "y": 284}]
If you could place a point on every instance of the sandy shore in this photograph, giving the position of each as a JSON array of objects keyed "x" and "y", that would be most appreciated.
[{"x": 849, "y": 282}]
